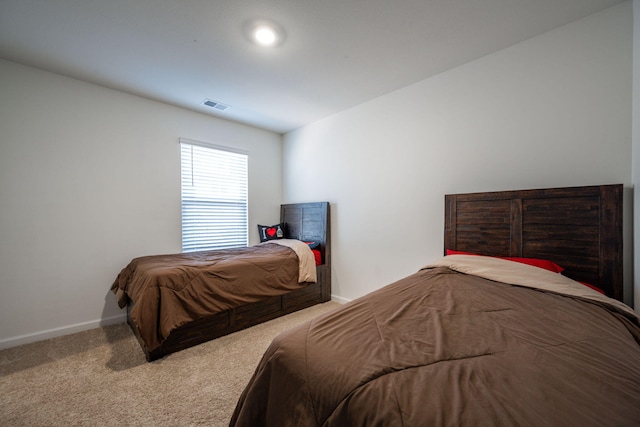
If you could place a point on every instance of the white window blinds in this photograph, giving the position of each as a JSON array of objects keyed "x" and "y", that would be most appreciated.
[{"x": 214, "y": 197}]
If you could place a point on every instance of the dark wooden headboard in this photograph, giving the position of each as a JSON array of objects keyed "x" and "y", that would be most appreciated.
[
  {"x": 308, "y": 222},
  {"x": 579, "y": 228}
]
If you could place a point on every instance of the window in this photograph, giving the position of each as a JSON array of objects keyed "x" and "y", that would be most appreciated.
[{"x": 214, "y": 197}]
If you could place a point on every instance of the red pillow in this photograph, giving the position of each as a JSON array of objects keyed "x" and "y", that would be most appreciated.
[
  {"x": 452, "y": 252},
  {"x": 542, "y": 263},
  {"x": 595, "y": 288},
  {"x": 318, "y": 256},
  {"x": 536, "y": 262}
]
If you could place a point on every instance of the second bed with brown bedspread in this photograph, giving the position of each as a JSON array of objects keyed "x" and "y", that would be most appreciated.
[
  {"x": 169, "y": 291},
  {"x": 451, "y": 345}
]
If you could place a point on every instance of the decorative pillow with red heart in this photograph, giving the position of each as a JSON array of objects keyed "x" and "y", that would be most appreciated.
[{"x": 271, "y": 232}]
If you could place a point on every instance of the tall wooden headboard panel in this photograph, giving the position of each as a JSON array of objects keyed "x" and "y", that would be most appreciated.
[
  {"x": 308, "y": 222},
  {"x": 580, "y": 228},
  {"x": 311, "y": 222}
]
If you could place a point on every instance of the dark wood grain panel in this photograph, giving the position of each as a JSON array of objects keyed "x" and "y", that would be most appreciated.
[
  {"x": 580, "y": 228},
  {"x": 303, "y": 298},
  {"x": 481, "y": 225},
  {"x": 308, "y": 222},
  {"x": 257, "y": 311}
]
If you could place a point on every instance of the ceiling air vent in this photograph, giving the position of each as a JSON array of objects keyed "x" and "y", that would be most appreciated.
[{"x": 217, "y": 105}]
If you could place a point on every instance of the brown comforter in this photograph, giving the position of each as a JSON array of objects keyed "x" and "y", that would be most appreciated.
[
  {"x": 442, "y": 347},
  {"x": 170, "y": 290}
]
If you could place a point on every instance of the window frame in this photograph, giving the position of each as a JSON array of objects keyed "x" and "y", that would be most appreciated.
[{"x": 221, "y": 227}]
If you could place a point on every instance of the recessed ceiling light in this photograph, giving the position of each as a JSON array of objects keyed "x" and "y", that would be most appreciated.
[
  {"x": 264, "y": 33},
  {"x": 265, "y": 36}
]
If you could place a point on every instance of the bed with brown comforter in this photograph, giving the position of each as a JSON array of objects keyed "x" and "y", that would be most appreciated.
[
  {"x": 172, "y": 290},
  {"x": 177, "y": 301},
  {"x": 475, "y": 341},
  {"x": 467, "y": 340}
]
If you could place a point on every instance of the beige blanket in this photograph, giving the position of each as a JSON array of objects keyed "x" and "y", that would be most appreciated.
[
  {"x": 515, "y": 273},
  {"x": 306, "y": 260}
]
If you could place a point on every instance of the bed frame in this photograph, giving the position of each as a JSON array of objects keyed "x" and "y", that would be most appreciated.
[
  {"x": 579, "y": 228},
  {"x": 303, "y": 221}
]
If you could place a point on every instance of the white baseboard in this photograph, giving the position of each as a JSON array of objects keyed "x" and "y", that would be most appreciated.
[
  {"x": 79, "y": 327},
  {"x": 57, "y": 332},
  {"x": 339, "y": 299}
]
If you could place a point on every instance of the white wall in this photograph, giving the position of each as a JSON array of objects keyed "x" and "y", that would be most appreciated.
[
  {"x": 90, "y": 178},
  {"x": 549, "y": 112},
  {"x": 636, "y": 150}
]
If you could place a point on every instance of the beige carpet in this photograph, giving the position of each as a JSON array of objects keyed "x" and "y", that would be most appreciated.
[{"x": 101, "y": 378}]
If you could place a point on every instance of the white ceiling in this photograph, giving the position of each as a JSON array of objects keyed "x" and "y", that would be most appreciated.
[{"x": 337, "y": 53}]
